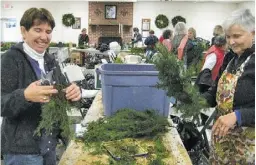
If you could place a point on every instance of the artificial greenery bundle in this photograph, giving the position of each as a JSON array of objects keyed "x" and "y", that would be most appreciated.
[
  {"x": 54, "y": 114},
  {"x": 176, "y": 81}
]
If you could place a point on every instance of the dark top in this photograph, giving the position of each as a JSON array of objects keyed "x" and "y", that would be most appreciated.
[
  {"x": 83, "y": 39},
  {"x": 21, "y": 117},
  {"x": 244, "y": 98},
  {"x": 151, "y": 41},
  {"x": 136, "y": 38}
]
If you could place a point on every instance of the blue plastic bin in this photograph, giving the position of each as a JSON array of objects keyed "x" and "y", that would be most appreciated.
[{"x": 131, "y": 86}]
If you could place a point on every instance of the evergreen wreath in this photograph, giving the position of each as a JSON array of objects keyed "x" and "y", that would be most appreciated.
[
  {"x": 161, "y": 21},
  {"x": 177, "y": 19},
  {"x": 68, "y": 20}
]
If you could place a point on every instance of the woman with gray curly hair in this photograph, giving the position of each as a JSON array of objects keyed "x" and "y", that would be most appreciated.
[
  {"x": 233, "y": 132},
  {"x": 180, "y": 31}
]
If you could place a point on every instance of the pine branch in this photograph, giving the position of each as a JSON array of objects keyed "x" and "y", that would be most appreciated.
[
  {"x": 176, "y": 81},
  {"x": 54, "y": 114}
]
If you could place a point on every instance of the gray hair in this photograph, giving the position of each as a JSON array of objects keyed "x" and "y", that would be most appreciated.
[
  {"x": 180, "y": 28},
  {"x": 242, "y": 17},
  {"x": 220, "y": 41}
]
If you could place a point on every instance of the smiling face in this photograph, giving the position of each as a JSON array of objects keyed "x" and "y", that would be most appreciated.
[
  {"x": 191, "y": 35},
  {"x": 239, "y": 39},
  {"x": 38, "y": 37}
]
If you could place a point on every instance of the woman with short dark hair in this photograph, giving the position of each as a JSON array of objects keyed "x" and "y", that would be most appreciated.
[{"x": 23, "y": 94}]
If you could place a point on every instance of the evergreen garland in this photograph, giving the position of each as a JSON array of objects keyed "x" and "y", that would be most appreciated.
[
  {"x": 68, "y": 20},
  {"x": 161, "y": 21},
  {"x": 176, "y": 81},
  {"x": 177, "y": 19},
  {"x": 54, "y": 114}
]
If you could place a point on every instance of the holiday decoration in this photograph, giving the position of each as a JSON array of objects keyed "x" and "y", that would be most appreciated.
[
  {"x": 161, "y": 21},
  {"x": 177, "y": 19},
  {"x": 68, "y": 20}
]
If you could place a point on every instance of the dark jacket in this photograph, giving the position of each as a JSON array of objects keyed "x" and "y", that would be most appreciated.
[
  {"x": 21, "y": 117},
  {"x": 244, "y": 99},
  {"x": 83, "y": 39},
  {"x": 151, "y": 41}
]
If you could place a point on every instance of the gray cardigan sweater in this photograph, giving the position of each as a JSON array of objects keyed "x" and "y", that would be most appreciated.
[{"x": 20, "y": 117}]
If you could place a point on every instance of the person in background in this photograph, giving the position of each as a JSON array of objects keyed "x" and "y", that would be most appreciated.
[
  {"x": 167, "y": 35},
  {"x": 83, "y": 38},
  {"x": 218, "y": 30},
  {"x": 233, "y": 94},
  {"x": 22, "y": 94},
  {"x": 137, "y": 38},
  {"x": 161, "y": 38},
  {"x": 192, "y": 34},
  {"x": 180, "y": 32},
  {"x": 212, "y": 63},
  {"x": 150, "y": 42}
]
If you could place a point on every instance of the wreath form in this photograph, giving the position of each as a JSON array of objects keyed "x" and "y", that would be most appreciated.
[
  {"x": 161, "y": 21},
  {"x": 68, "y": 20}
]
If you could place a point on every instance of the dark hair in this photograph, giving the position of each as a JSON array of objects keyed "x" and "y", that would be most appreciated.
[
  {"x": 220, "y": 41},
  {"x": 167, "y": 34},
  {"x": 151, "y": 32},
  {"x": 135, "y": 29},
  {"x": 35, "y": 16}
]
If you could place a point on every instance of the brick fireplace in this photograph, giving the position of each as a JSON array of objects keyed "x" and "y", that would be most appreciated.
[{"x": 109, "y": 29}]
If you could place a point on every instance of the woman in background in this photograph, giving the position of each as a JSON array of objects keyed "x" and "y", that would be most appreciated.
[
  {"x": 167, "y": 35},
  {"x": 83, "y": 38},
  {"x": 218, "y": 30}
]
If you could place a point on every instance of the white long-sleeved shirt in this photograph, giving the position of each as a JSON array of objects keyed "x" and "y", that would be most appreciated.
[{"x": 210, "y": 61}]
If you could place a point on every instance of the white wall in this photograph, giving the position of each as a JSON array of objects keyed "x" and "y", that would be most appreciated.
[
  {"x": 203, "y": 16},
  {"x": 57, "y": 8},
  {"x": 248, "y": 5}
]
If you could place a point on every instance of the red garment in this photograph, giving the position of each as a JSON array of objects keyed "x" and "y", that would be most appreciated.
[
  {"x": 167, "y": 43},
  {"x": 181, "y": 47},
  {"x": 219, "y": 59},
  {"x": 161, "y": 39}
]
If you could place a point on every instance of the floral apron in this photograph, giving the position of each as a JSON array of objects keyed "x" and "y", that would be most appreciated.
[{"x": 237, "y": 147}]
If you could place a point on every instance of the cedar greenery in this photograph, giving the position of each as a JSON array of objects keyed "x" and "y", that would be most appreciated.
[
  {"x": 128, "y": 123},
  {"x": 54, "y": 114},
  {"x": 176, "y": 81}
]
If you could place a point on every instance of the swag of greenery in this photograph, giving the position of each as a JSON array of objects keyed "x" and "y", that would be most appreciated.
[
  {"x": 68, "y": 20},
  {"x": 177, "y": 19},
  {"x": 128, "y": 123},
  {"x": 54, "y": 114},
  {"x": 161, "y": 21},
  {"x": 176, "y": 81}
]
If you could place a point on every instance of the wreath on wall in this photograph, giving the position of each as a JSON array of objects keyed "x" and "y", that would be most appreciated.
[
  {"x": 177, "y": 19},
  {"x": 161, "y": 21},
  {"x": 68, "y": 20}
]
